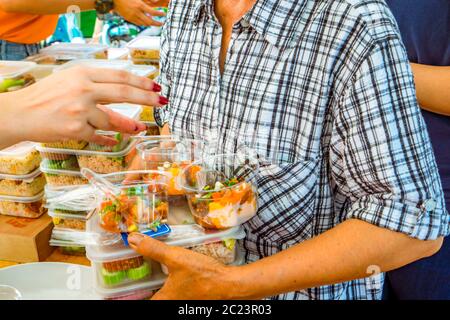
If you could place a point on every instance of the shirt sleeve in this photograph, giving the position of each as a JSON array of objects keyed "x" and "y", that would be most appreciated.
[
  {"x": 162, "y": 114},
  {"x": 380, "y": 153}
]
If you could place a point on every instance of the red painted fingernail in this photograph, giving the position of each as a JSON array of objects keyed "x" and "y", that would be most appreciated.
[
  {"x": 163, "y": 100},
  {"x": 156, "y": 87}
]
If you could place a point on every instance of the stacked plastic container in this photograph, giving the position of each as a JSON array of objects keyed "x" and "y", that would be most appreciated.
[
  {"x": 21, "y": 181},
  {"x": 61, "y": 163}
]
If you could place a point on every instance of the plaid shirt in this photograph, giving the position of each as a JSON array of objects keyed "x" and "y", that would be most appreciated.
[{"x": 323, "y": 91}]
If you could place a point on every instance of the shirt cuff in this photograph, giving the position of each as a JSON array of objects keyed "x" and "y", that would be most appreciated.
[{"x": 425, "y": 221}]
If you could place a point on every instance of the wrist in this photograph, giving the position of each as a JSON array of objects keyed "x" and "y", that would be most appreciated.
[{"x": 243, "y": 284}]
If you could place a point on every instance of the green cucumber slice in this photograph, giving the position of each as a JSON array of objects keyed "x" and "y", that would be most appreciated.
[
  {"x": 139, "y": 272},
  {"x": 113, "y": 278}
]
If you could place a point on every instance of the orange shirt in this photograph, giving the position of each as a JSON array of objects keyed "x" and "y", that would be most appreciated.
[{"x": 26, "y": 28}]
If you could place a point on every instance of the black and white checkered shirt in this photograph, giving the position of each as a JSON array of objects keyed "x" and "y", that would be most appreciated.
[{"x": 323, "y": 90}]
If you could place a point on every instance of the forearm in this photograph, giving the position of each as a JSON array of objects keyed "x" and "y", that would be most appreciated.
[
  {"x": 433, "y": 87},
  {"x": 43, "y": 7},
  {"x": 341, "y": 254}
]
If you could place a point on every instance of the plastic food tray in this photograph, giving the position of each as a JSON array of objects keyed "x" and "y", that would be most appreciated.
[
  {"x": 22, "y": 186},
  {"x": 148, "y": 71},
  {"x": 15, "y": 75},
  {"x": 19, "y": 159},
  {"x": 25, "y": 207}
]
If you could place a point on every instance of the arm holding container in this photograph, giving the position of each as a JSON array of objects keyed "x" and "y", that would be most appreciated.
[{"x": 67, "y": 105}]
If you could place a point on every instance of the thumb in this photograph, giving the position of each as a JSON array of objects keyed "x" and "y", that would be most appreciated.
[{"x": 150, "y": 247}]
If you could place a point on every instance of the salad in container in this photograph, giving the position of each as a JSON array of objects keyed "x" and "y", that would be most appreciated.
[
  {"x": 27, "y": 185},
  {"x": 140, "y": 203},
  {"x": 221, "y": 190},
  {"x": 68, "y": 248},
  {"x": 15, "y": 75},
  {"x": 24, "y": 207},
  {"x": 170, "y": 155},
  {"x": 19, "y": 159}
]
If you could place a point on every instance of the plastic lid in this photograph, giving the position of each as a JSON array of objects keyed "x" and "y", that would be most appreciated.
[
  {"x": 53, "y": 214},
  {"x": 45, "y": 169},
  {"x": 142, "y": 70},
  {"x": 117, "y": 53},
  {"x": 122, "y": 153},
  {"x": 12, "y": 69},
  {"x": 80, "y": 48},
  {"x": 145, "y": 43},
  {"x": 19, "y": 150},
  {"x": 96, "y": 63},
  {"x": 36, "y": 198},
  {"x": 26, "y": 177},
  {"x": 129, "y": 110}
]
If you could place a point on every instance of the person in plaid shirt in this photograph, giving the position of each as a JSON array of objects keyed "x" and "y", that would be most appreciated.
[{"x": 325, "y": 92}]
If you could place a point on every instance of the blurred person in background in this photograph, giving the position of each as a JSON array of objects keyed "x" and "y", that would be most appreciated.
[
  {"x": 425, "y": 29},
  {"x": 24, "y": 23}
]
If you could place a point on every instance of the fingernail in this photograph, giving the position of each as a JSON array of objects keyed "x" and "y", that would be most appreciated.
[
  {"x": 135, "y": 239},
  {"x": 163, "y": 100},
  {"x": 156, "y": 87}
]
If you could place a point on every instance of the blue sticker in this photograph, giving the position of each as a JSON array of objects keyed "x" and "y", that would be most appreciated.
[{"x": 161, "y": 230}]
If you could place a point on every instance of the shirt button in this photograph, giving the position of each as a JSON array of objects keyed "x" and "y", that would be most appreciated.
[
  {"x": 429, "y": 205},
  {"x": 244, "y": 23}
]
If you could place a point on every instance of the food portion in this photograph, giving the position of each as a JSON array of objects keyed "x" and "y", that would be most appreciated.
[
  {"x": 19, "y": 159},
  {"x": 137, "y": 208},
  {"x": 147, "y": 114},
  {"x": 226, "y": 204},
  {"x": 152, "y": 129},
  {"x": 121, "y": 139},
  {"x": 69, "y": 163},
  {"x": 21, "y": 209},
  {"x": 50, "y": 59},
  {"x": 174, "y": 171},
  {"x": 102, "y": 164},
  {"x": 61, "y": 180},
  {"x": 69, "y": 144},
  {"x": 16, "y": 83},
  {"x": 72, "y": 224},
  {"x": 144, "y": 47},
  {"x": 123, "y": 271},
  {"x": 73, "y": 251},
  {"x": 223, "y": 251},
  {"x": 22, "y": 188}
]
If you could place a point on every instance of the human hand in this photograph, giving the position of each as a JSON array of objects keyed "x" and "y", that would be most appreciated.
[
  {"x": 67, "y": 105},
  {"x": 139, "y": 12},
  {"x": 192, "y": 275}
]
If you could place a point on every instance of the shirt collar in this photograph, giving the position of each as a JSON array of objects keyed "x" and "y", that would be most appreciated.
[{"x": 278, "y": 21}]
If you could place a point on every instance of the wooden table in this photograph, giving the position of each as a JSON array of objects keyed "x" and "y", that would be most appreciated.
[{"x": 56, "y": 256}]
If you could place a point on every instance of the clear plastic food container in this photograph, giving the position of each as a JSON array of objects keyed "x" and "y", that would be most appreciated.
[
  {"x": 171, "y": 155},
  {"x": 141, "y": 205},
  {"x": 92, "y": 63},
  {"x": 117, "y": 54},
  {"x": 152, "y": 128},
  {"x": 68, "y": 221},
  {"x": 78, "y": 50},
  {"x": 22, "y": 186},
  {"x": 68, "y": 144},
  {"x": 121, "y": 139},
  {"x": 19, "y": 159},
  {"x": 25, "y": 207},
  {"x": 68, "y": 248},
  {"x": 147, "y": 71},
  {"x": 144, "y": 47},
  {"x": 221, "y": 190},
  {"x": 226, "y": 251},
  {"x": 51, "y": 59},
  {"x": 69, "y": 163},
  {"x": 134, "y": 291},
  {"x": 62, "y": 178},
  {"x": 14, "y": 75},
  {"x": 147, "y": 62}
]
